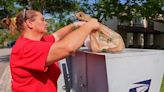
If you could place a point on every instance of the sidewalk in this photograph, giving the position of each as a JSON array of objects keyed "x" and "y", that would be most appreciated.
[
  {"x": 5, "y": 77},
  {"x": 5, "y": 51},
  {"x": 5, "y": 80}
]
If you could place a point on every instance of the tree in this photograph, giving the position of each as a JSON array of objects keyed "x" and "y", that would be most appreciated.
[
  {"x": 100, "y": 9},
  {"x": 59, "y": 9},
  {"x": 149, "y": 9},
  {"x": 7, "y": 8},
  {"x": 11, "y": 7}
]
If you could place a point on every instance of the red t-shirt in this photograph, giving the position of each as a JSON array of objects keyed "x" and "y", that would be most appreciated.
[{"x": 27, "y": 63}]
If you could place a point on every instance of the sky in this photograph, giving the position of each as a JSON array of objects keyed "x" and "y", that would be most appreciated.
[
  {"x": 92, "y": 1},
  {"x": 47, "y": 16},
  {"x": 123, "y": 1}
]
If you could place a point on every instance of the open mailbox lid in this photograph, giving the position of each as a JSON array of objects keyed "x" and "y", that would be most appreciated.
[{"x": 132, "y": 70}]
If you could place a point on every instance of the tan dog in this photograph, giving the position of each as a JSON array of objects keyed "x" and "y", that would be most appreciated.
[{"x": 104, "y": 40}]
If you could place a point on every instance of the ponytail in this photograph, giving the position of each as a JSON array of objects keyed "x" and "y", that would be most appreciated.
[
  {"x": 16, "y": 24},
  {"x": 10, "y": 24}
]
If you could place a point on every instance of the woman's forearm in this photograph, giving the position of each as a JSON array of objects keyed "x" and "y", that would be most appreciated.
[
  {"x": 59, "y": 34},
  {"x": 69, "y": 44}
]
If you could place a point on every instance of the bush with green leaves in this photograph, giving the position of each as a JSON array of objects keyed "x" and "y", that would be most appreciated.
[{"x": 5, "y": 36}]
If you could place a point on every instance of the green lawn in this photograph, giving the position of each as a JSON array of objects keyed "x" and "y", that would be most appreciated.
[{"x": 162, "y": 87}]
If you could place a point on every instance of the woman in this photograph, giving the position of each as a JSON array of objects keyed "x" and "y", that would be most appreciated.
[{"x": 34, "y": 56}]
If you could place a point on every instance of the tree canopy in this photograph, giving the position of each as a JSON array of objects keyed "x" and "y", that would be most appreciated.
[
  {"x": 62, "y": 11},
  {"x": 125, "y": 10},
  {"x": 10, "y": 7}
]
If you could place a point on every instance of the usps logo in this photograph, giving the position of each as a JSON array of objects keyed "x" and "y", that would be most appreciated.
[{"x": 142, "y": 86}]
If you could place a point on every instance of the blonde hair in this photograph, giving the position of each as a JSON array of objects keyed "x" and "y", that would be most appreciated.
[
  {"x": 23, "y": 16},
  {"x": 16, "y": 24},
  {"x": 10, "y": 24}
]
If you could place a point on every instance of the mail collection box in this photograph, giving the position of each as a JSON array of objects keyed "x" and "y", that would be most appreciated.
[{"x": 132, "y": 70}]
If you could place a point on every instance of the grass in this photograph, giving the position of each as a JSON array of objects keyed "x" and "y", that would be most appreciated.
[{"x": 162, "y": 86}]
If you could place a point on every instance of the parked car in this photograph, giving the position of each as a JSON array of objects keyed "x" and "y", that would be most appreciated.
[{"x": 11, "y": 44}]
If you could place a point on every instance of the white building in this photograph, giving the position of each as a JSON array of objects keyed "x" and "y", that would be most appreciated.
[{"x": 139, "y": 32}]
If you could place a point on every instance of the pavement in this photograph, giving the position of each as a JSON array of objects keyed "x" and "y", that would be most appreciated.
[{"x": 5, "y": 75}]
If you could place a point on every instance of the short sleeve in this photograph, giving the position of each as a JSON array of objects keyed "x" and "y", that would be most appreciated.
[
  {"x": 35, "y": 55},
  {"x": 48, "y": 38}
]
